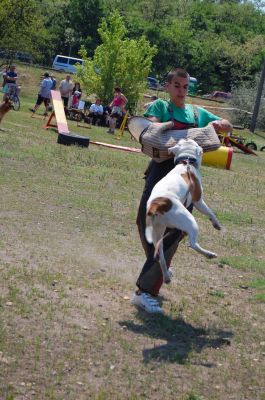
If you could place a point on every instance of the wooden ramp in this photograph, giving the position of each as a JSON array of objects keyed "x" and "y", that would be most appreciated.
[
  {"x": 64, "y": 135},
  {"x": 58, "y": 113}
]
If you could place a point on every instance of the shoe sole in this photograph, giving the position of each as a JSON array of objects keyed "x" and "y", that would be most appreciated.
[{"x": 142, "y": 307}]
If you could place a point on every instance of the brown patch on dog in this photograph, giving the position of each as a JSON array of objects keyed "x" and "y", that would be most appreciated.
[
  {"x": 195, "y": 190},
  {"x": 160, "y": 205},
  {"x": 186, "y": 177},
  {"x": 194, "y": 185},
  {"x": 5, "y": 107}
]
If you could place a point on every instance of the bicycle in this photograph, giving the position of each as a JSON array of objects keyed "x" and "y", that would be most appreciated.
[{"x": 12, "y": 93}]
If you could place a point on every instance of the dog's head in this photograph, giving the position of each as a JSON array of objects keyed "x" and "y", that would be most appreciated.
[
  {"x": 5, "y": 107},
  {"x": 187, "y": 148},
  {"x": 7, "y": 104}
]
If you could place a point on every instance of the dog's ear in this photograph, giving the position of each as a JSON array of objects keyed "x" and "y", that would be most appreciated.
[
  {"x": 199, "y": 151},
  {"x": 174, "y": 149}
]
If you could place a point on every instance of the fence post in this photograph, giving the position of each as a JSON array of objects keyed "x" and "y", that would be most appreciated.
[{"x": 257, "y": 102}]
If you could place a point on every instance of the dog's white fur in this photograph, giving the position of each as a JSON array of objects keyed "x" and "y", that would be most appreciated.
[{"x": 166, "y": 207}]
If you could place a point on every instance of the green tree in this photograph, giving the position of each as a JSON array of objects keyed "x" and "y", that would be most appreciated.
[
  {"x": 21, "y": 27},
  {"x": 118, "y": 61},
  {"x": 83, "y": 17}
]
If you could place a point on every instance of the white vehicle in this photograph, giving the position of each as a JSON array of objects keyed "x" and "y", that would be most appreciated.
[{"x": 66, "y": 64}]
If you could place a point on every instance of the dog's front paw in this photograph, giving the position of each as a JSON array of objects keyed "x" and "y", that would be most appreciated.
[
  {"x": 216, "y": 224},
  {"x": 211, "y": 255},
  {"x": 167, "y": 279}
]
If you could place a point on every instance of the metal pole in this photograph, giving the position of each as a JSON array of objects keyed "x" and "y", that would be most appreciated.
[{"x": 257, "y": 102}]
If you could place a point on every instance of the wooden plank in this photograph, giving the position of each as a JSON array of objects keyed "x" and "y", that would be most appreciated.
[{"x": 61, "y": 122}]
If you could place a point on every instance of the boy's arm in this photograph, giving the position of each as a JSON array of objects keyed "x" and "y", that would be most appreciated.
[
  {"x": 154, "y": 119},
  {"x": 222, "y": 126}
]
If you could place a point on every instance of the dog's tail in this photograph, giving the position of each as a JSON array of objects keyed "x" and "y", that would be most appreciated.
[{"x": 149, "y": 228}]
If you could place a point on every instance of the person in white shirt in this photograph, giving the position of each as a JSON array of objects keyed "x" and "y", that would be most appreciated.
[
  {"x": 66, "y": 86},
  {"x": 96, "y": 112}
]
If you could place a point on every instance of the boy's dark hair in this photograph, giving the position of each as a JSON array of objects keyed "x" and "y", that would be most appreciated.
[{"x": 177, "y": 72}]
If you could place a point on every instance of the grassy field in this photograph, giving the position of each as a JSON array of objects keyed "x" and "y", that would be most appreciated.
[{"x": 70, "y": 255}]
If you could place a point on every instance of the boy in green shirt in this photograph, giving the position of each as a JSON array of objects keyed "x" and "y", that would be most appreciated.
[{"x": 184, "y": 116}]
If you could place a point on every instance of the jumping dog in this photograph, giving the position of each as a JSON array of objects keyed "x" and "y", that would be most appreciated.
[{"x": 170, "y": 197}]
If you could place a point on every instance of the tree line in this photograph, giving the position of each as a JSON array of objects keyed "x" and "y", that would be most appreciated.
[{"x": 221, "y": 43}]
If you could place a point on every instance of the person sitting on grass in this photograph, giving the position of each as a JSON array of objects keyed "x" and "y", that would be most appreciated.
[
  {"x": 96, "y": 112},
  {"x": 75, "y": 99},
  {"x": 44, "y": 94}
]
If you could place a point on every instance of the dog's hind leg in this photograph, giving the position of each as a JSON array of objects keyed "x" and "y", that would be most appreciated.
[
  {"x": 204, "y": 209},
  {"x": 158, "y": 235},
  {"x": 162, "y": 261},
  {"x": 186, "y": 222}
]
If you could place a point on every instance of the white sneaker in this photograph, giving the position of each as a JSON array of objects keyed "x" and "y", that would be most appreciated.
[{"x": 147, "y": 303}]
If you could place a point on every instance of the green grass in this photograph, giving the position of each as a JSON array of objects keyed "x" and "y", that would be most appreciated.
[
  {"x": 70, "y": 255},
  {"x": 244, "y": 263}
]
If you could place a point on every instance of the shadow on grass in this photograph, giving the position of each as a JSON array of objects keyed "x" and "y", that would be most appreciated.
[{"x": 182, "y": 338}]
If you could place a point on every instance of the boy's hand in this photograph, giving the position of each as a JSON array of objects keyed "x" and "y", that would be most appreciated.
[{"x": 222, "y": 126}]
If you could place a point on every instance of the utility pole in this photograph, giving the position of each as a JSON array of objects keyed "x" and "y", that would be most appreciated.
[{"x": 257, "y": 102}]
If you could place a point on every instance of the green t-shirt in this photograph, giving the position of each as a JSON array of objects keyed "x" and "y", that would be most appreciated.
[{"x": 159, "y": 109}]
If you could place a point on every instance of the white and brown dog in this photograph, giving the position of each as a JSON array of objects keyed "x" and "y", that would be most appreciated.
[{"x": 166, "y": 206}]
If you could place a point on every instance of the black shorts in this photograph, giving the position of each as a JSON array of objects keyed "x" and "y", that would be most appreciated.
[
  {"x": 41, "y": 100},
  {"x": 115, "y": 115}
]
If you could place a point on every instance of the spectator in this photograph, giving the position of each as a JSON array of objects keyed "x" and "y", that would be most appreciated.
[
  {"x": 44, "y": 94},
  {"x": 54, "y": 82},
  {"x": 66, "y": 86},
  {"x": 77, "y": 87},
  {"x": 10, "y": 81},
  {"x": 75, "y": 99},
  {"x": 96, "y": 113},
  {"x": 117, "y": 108},
  {"x": 76, "y": 95}
]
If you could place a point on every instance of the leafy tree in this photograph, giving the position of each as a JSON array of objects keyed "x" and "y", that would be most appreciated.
[
  {"x": 118, "y": 61},
  {"x": 243, "y": 97},
  {"x": 83, "y": 17},
  {"x": 21, "y": 27}
]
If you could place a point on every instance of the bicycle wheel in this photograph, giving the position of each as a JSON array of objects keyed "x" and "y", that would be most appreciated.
[
  {"x": 16, "y": 102},
  {"x": 252, "y": 145}
]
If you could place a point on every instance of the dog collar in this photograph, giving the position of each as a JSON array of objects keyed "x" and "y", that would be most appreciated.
[{"x": 185, "y": 160}]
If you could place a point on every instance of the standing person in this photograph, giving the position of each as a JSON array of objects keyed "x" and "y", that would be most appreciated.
[
  {"x": 117, "y": 108},
  {"x": 66, "y": 86},
  {"x": 44, "y": 94},
  {"x": 184, "y": 116},
  {"x": 96, "y": 112},
  {"x": 10, "y": 81},
  {"x": 54, "y": 82}
]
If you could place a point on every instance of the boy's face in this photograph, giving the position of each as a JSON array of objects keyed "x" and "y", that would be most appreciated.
[{"x": 178, "y": 89}]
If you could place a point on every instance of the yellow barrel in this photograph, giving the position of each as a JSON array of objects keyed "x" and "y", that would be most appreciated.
[{"x": 220, "y": 158}]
